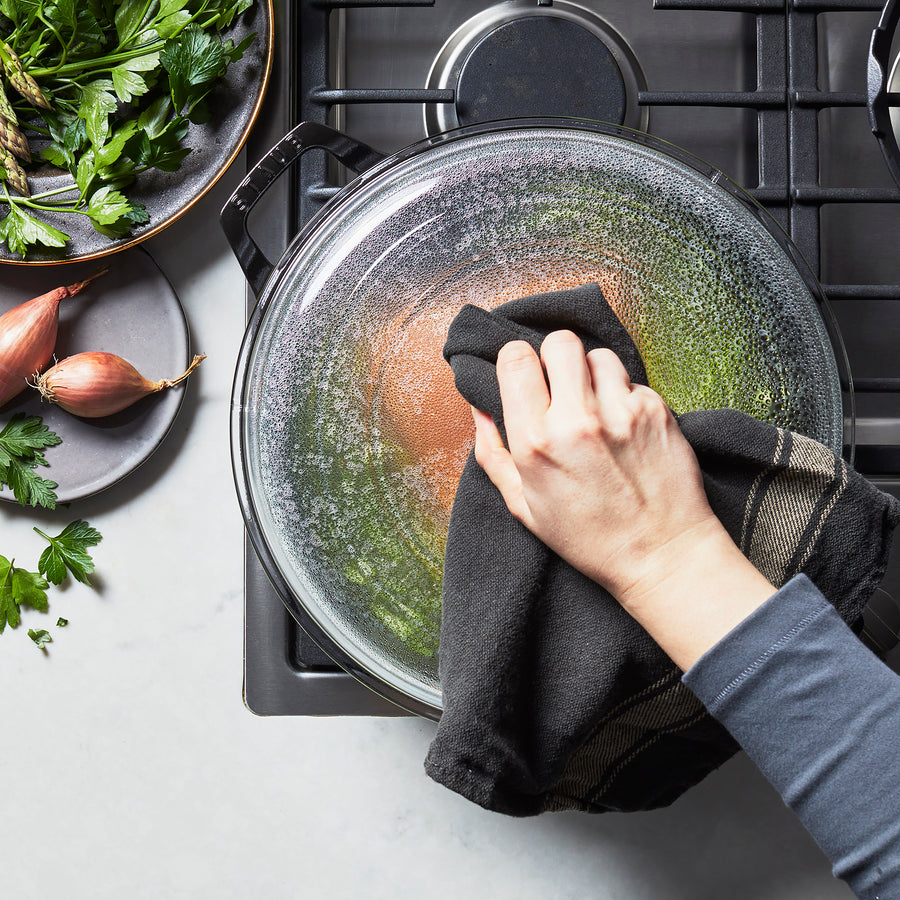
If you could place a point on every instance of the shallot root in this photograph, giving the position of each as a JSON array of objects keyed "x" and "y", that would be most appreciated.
[{"x": 97, "y": 383}]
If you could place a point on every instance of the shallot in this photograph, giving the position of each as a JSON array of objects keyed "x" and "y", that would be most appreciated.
[
  {"x": 28, "y": 335},
  {"x": 96, "y": 383}
]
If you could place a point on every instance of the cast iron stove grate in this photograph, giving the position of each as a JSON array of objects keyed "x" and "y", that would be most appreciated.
[{"x": 285, "y": 672}]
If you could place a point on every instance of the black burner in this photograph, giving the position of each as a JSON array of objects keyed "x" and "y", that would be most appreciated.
[
  {"x": 520, "y": 58},
  {"x": 817, "y": 170},
  {"x": 540, "y": 66}
]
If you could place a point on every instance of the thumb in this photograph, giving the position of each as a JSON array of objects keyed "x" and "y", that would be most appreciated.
[{"x": 498, "y": 465}]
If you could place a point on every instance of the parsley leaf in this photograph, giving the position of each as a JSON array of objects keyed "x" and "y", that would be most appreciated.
[
  {"x": 56, "y": 156},
  {"x": 134, "y": 214},
  {"x": 10, "y": 9},
  {"x": 113, "y": 148},
  {"x": 154, "y": 118},
  {"x": 84, "y": 174},
  {"x": 69, "y": 139},
  {"x": 107, "y": 206},
  {"x": 26, "y": 434},
  {"x": 19, "y": 230},
  {"x": 19, "y": 587},
  {"x": 161, "y": 151},
  {"x": 41, "y": 637},
  {"x": 97, "y": 102},
  {"x": 127, "y": 80},
  {"x": 193, "y": 60},
  {"x": 128, "y": 18},
  {"x": 30, "y": 489},
  {"x": 68, "y": 551},
  {"x": 117, "y": 84},
  {"x": 231, "y": 10},
  {"x": 168, "y": 7},
  {"x": 21, "y": 442},
  {"x": 63, "y": 11},
  {"x": 127, "y": 85},
  {"x": 173, "y": 24},
  {"x": 233, "y": 51}
]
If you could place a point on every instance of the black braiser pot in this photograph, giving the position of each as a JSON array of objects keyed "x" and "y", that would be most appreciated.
[{"x": 722, "y": 307}]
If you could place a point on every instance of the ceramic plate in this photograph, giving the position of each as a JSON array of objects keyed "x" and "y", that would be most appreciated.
[
  {"x": 132, "y": 311},
  {"x": 234, "y": 105}
]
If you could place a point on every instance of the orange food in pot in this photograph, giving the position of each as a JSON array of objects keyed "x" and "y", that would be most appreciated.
[
  {"x": 416, "y": 402},
  {"x": 411, "y": 393}
]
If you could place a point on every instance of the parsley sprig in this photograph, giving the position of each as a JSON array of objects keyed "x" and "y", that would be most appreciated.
[
  {"x": 67, "y": 554},
  {"x": 18, "y": 588},
  {"x": 107, "y": 90},
  {"x": 22, "y": 441}
]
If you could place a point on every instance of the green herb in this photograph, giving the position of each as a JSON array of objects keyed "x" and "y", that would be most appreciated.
[
  {"x": 68, "y": 552},
  {"x": 19, "y": 587},
  {"x": 384, "y": 554},
  {"x": 21, "y": 230},
  {"x": 107, "y": 90},
  {"x": 41, "y": 638},
  {"x": 21, "y": 442}
]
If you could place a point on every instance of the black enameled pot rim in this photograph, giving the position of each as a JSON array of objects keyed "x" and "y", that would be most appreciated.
[{"x": 284, "y": 270}]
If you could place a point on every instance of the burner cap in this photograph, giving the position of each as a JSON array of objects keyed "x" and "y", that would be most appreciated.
[
  {"x": 520, "y": 58},
  {"x": 540, "y": 66}
]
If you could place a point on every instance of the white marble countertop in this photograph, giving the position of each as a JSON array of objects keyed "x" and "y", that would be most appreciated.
[{"x": 133, "y": 769}]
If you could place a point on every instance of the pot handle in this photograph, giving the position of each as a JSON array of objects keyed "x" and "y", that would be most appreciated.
[
  {"x": 879, "y": 71},
  {"x": 234, "y": 215}
]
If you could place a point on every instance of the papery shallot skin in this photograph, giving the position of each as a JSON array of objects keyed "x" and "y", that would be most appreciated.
[
  {"x": 27, "y": 339},
  {"x": 28, "y": 336},
  {"x": 95, "y": 383}
]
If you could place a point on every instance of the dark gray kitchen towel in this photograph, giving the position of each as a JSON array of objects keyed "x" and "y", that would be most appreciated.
[{"x": 553, "y": 696}]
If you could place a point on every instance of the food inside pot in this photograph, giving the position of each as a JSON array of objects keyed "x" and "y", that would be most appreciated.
[
  {"x": 355, "y": 436},
  {"x": 373, "y": 495},
  {"x": 412, "y": 398}
]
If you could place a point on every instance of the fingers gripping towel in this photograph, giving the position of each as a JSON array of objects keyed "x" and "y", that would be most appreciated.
[{"x": 553, "y": 697}]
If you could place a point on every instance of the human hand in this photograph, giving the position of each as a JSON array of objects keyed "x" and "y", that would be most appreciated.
[{"x": 598, "y": 469}]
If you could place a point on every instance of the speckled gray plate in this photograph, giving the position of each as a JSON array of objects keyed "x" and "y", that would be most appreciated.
[
  {"x": 132, "y": 311},
  {"x": 234, "y": 105}
]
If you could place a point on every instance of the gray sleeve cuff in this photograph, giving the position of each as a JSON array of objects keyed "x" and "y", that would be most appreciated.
[
  {"x": 751, "y": 643},
  {"x": 819, "y": 714}
]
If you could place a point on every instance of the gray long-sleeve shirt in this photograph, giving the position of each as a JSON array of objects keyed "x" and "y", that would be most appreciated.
[{"x": 819, "y": 714}]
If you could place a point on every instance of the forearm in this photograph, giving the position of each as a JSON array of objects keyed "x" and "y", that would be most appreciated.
[
  {"x": 820, "y": 716},
  {"x": 691, "y": 592},
  {"x": 598, "y": 469}
]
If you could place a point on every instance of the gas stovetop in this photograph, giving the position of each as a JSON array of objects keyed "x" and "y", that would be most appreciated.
[{"x": 773, "y": 93}]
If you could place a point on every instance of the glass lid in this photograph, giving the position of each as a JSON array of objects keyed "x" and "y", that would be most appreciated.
[{"x": 353, "y": 437}]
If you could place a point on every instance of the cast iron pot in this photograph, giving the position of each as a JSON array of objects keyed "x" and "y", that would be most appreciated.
[{"x": 346, "y": 433}]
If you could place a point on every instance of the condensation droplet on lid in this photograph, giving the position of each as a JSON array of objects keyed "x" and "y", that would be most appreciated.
[{"x": 707, "y": 295}]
